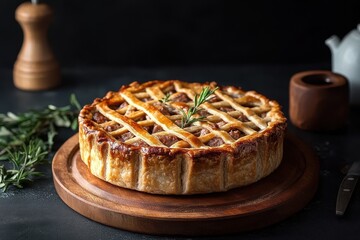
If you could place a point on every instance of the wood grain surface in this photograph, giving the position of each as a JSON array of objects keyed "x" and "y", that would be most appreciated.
[{"x": 274, "y": 198}]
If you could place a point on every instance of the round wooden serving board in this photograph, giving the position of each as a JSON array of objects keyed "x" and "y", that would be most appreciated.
[{"x": 272, "y": 199}]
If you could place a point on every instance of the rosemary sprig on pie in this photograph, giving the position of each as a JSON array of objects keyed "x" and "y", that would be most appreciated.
[
  {"x": 27, "y": 138},
  {"x": 188, "y": 117},
  {"x": 166, "y": 98}
]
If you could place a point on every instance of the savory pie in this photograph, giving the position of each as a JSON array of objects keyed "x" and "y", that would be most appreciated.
[{"x": 167, "y": 137}]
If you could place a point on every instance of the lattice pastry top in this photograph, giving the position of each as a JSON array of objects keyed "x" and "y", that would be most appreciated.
[{"x": 165, "y": 118}]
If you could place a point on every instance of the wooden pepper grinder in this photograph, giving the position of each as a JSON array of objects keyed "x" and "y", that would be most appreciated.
[{"x": 36, "y": 67}]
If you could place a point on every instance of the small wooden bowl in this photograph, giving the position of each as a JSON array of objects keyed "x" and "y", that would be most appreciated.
[{"x": 319, "y": 100}]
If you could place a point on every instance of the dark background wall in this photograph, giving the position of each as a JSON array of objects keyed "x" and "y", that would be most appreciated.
[{"x": 147, "y": 33}]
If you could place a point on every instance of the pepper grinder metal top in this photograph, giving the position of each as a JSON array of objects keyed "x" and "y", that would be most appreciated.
[{"x": 36, "y": 67}]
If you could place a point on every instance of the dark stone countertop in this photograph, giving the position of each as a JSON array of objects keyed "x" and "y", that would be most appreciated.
[{"x": 37, "y": 212}]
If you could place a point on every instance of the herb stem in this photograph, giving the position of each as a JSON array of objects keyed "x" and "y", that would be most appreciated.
[
  {"x": 26, "y": 139},
  {"x": 188, "y": 117}
]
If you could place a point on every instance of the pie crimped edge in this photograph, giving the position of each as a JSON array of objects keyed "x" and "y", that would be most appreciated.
[{"x": 191, "y": 167}]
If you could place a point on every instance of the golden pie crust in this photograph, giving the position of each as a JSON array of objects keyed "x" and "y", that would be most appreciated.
[{"x": 133, "y": 139}]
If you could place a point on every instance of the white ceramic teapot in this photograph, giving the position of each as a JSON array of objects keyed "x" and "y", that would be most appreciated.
[{"x": 346, "y": 60}]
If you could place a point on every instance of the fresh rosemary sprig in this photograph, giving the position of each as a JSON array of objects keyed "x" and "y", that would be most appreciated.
[
  {"x": 187, "y": 117},
  {"x": 23, "y": 162},
  {"x": 27, "y": 138},
  {"x": 166, "y": 98}
]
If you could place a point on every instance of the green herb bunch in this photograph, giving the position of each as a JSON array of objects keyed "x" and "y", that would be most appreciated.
[
  {"x": 26, "y": 140},
  {"x": 187, "y": 117}
]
